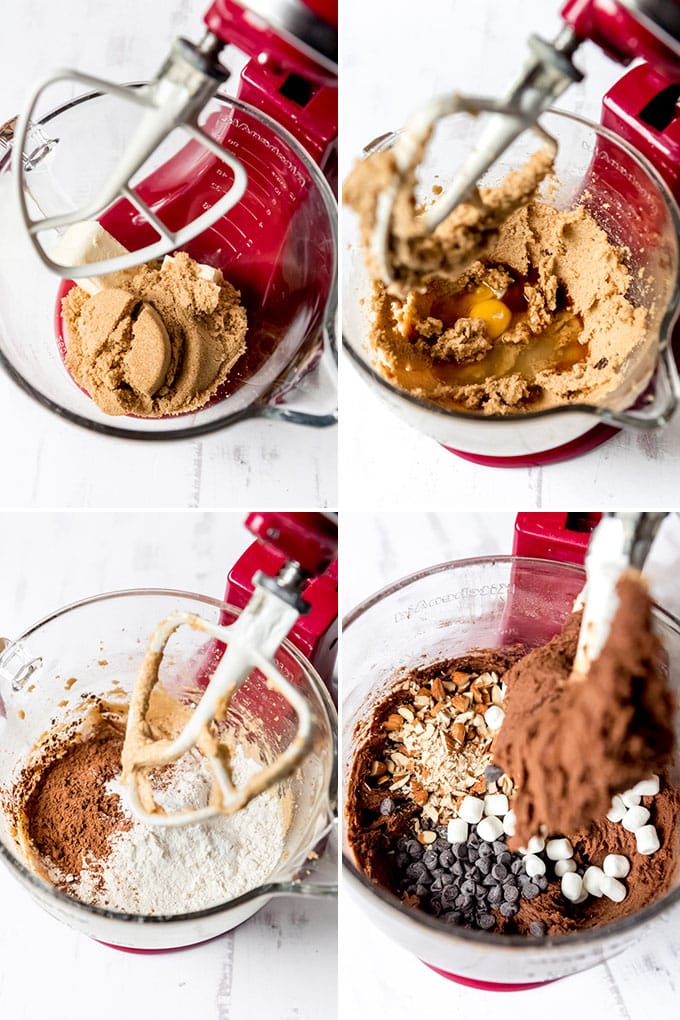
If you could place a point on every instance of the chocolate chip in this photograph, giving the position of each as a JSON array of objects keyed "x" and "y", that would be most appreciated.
[
  {"x": 457, "y": 868},
  {"x": 499, "y": 847},
  {"x": 473, "y": 853},
  {"x": 483, "y": 866},
  {"x": 542, "y": 882},
  {"x": 486, "y": 850},
  {"x": 495, "y": 896},
  {"x": 505, "y": 858},
  {"x": 386, "y": 806},
  {"x": 421, "y": 891},
  {"x": 492, "y": 773},
  {"x": 414, "y": 848},
  {"x": 517, "y": 867},
  {"x": 446, "y": 858},
  {"x": 486, "y": 922},
  {"x": 530, "y": 891},
  {"x": 460, "y": 850},
  {"x": 430, "y": 859},
  {"x": 510, "y": 893},
  {"x": 401, "y": 860},
  {"x": 447, "y": 879},
  {"x": 453, "y": 917},
  {"x": 537, "y": 928},
  {"x": 436, "y": 907},
  {"x": 499, "y": 872},
  {"x": 508, "y": 909}
]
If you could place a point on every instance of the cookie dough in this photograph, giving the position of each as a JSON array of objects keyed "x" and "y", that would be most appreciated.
[
  {"x": 161, "y": 345},
  {"x": 571, "y": 744},
  {"x": 425, "y": 759},
  {"x": 511, "y": 305}
]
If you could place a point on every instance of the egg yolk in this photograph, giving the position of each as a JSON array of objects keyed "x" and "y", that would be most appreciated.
[{"x": 495, "y": 314}]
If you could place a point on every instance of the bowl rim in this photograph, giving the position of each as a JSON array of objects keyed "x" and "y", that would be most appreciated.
[
  {"x": 493, "y": 940},
  {"x": 44, "y": 890}
]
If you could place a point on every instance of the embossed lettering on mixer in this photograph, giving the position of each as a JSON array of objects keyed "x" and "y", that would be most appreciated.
[{"x": 484, "y": 591}]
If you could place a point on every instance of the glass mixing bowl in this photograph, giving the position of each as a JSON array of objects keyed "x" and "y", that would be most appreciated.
[
  {"x": 439, "y": 613},
  {"x": 631, "y": 202},
  {"x": 278, "y": 246},
  {"x": 100, "y": 641}
]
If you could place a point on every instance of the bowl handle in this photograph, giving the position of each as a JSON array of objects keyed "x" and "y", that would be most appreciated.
[
  {"x": 663, "y": 404},
  {"x": 309, "y": 394}
]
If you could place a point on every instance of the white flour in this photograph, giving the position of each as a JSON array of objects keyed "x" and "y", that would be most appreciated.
[{"x": 153, "y": 870}]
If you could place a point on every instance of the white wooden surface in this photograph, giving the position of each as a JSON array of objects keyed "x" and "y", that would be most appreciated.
[
  {"x": 281, "y": 964},
  {"x": 391, "y": 63},
  {"x": 378, "y": 978},
  {"x": 252, "y": 462}
]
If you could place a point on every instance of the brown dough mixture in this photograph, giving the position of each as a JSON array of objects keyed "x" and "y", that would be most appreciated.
[
  {"x": 161, "y": 346},
  {"x": 570, "y": 745},
  {"x": 373, "y": 835},
  {"x": 566, "y": 330},
  {"x": 458, "y": 240}
]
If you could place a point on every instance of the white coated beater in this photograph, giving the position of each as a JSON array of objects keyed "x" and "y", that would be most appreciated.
[
  {"x": 621, "y": 540},
  {"x": 174, "y": 99},
  {"x": 251, "y": 643}
]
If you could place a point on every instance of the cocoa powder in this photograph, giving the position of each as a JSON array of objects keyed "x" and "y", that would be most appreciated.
[
  {"x": 70, "y": 816},
  {"x": 568, "y": 744}
]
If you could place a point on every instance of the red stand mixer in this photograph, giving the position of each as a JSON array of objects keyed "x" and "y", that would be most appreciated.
[
  {"x": 641, "y": 108},
  {"x": 239, "y": 174},
  {"x": 631, "y": 195},
  {"x": 290, "y": 570}
]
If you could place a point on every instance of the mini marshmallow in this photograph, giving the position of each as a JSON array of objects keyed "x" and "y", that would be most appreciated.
[
  {"x": 490, "y": 828},
  {"x": 559, "y": 849},
  {"x": 635, "y": 818},
  {"x": 616, "y": 866},
  {"x": 509, "y": 823},
  {"x": 648, "y": 787},
  {"x": 562, "y": 867},
  {"x": 533, "y": 865},
  {"x": 535, "y": 845},
  {"x": 572, "y": 886},
  {"x": 471, "y": 809},
  {"x": 613, "y": 889},
  {"x": 592, "y": 880},
  {"x": 493, "y": 717},
  {"x": 630, "y": 798},
  {"x": 647, "y": 839},
  {"x": 617, "y": 810},
  {"x": 496, "y": 804},
  {"x": 457, "y": 830}
]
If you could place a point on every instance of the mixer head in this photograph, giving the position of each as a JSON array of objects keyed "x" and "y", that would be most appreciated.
[{"x": 250, "y": 643}]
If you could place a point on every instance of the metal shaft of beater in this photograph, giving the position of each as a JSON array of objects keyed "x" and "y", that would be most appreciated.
[{"x": 548, "y": 73}]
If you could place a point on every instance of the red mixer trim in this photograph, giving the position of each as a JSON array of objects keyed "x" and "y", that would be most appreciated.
[
  {"x": 562, "y": 537},
  {"x": 623, "y": 34},
  {"x": 576, "y": 448},
  {"x": 311, "y": 540},
  {"x": 486, "y": 986}
]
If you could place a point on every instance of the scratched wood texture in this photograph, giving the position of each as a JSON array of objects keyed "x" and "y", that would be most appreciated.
[
  {"x": 280, "y": 964},
  {"x": 394, "y": 57},
  {"x": 47, "y": 462},
  {"x": 378, "y": 978}
]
